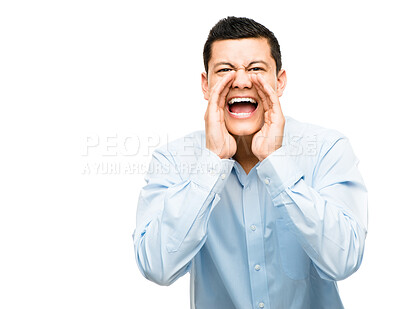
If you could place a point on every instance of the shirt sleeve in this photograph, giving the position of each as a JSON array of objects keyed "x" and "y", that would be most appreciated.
[
  {"x": 328, "y": 215},
  {"x": 173, "y": 212}
]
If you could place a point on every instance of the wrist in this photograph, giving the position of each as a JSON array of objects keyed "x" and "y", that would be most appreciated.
[
  {"x": 219, "y": 152},
  {"x": 261, "y": 157}
]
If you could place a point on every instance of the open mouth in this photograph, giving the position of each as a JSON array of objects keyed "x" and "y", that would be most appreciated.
[{"x": 242, "y": 107}]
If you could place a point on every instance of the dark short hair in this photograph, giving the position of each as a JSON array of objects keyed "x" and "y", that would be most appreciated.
[{"x": 232, "y": 28}]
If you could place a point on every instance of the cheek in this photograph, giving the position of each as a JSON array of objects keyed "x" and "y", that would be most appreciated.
[
  {"x": 272, "y": 82},
  {"x": 270, "y": 78}
]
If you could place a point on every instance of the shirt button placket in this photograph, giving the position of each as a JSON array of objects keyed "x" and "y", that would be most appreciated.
[{"x": 254, "y": 238}]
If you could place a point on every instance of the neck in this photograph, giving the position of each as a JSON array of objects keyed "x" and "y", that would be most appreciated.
[{"x": 244, "y": 156}]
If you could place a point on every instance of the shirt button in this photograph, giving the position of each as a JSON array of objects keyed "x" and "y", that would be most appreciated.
[
  {"x": 223, "y": 176},
  {"x": 253, "y": 227},
  {"x": 261, "y": 305},
  {"x": 267, "y": 181},
  {"x": 257, "y": 267}
]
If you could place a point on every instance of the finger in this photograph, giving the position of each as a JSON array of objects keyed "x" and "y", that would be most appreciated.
[
  {"x": 267, "y": 89},
  {"x": 221, "y": 89},
  {"x": 224, "y": 93},
  {"x": 221, "y": 84},
  {"x": 262, "y": 94}
]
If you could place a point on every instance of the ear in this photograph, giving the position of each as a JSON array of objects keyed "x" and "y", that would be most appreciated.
[
  {"x": 281, "y": 82},
  {"x": 204, "y": 85}
]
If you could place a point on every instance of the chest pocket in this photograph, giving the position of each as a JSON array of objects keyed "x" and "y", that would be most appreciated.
[{"x": 295, "y": 261}]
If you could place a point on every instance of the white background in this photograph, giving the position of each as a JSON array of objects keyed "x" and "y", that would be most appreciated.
[{"x": 119, "y": 74}]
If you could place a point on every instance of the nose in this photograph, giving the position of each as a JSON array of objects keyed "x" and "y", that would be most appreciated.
[{"x": 242, "y": 80}]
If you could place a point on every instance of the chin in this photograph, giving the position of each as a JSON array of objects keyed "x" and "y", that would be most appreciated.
[{"x": 243, "y": 129}]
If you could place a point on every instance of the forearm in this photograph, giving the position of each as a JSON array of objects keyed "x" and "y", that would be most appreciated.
[
  {"x": 167, "y": 244},
  {"x": 172, "y": 218},
  {"x": 327, "y": 230},
  {"x": 326, "y": 213}
]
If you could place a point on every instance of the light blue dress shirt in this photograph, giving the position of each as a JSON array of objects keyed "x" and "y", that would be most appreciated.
[{"x": 279, "y": 237}]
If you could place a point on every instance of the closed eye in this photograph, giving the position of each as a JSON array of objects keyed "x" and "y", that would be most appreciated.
[
  {"x": 224, "y": 70},
  {"x": 256, "y": 69}
]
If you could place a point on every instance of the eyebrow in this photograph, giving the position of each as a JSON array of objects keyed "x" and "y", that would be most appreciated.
[
  {"x": 224, "y": 63},
  {"x": 259, "y": 61},
  {"x": 250, "y": 64}
]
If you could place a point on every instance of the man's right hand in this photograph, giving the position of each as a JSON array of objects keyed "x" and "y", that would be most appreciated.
[{"x": 218, "y": 139}]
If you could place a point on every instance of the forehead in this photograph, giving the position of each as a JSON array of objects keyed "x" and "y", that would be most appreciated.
[{"x": 241, "y": 51}]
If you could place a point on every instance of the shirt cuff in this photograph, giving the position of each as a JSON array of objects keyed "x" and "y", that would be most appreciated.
[
  {"x": 279, "y": 170},
  {"x": 211, "y": 171}
]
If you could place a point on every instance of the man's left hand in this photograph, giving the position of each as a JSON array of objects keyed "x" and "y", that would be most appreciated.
[{"x": 270, "y": 136}]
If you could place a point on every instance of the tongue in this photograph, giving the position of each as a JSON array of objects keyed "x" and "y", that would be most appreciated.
[{"x": 242, "y": 108}]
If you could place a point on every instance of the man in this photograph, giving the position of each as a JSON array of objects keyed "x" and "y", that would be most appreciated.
[{"x": 262, "y": 210}]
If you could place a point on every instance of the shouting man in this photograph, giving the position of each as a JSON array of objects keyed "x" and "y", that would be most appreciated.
[{"x": 263, "y": 211}]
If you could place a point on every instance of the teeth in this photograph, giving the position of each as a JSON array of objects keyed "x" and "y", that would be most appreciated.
[
  {"x": 237, "y": 100},
  {"x": 242, "y": 114}
]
